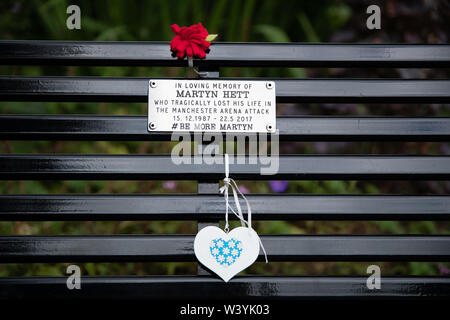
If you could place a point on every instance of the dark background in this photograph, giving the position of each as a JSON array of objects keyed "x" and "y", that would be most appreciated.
[{"x": 417, "y": 21}]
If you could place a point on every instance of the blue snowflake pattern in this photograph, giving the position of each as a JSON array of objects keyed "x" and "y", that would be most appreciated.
[{"x": 225, "y": 252}]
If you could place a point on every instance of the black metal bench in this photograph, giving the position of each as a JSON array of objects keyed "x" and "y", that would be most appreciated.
[{"x": 207, "y": 206}]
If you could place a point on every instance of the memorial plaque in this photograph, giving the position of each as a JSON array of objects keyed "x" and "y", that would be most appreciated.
[{"x": 211, "y": 106}]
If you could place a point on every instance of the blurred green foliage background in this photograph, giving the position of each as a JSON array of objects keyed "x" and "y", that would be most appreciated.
[{"x": 234, "y": 20}]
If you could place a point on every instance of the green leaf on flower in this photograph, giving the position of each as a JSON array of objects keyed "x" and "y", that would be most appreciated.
[{"x": 211, "y": 37}]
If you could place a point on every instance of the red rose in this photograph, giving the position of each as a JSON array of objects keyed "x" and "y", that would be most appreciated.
[{"x": 189, "y": 41}]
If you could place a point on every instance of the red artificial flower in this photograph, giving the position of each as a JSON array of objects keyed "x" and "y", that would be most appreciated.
[{"x": 190, "y": 41}]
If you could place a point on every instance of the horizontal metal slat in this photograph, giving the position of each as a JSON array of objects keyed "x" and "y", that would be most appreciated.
[
  {"x": 18, "y": 88},
  {"x": 225, "y": 54},
  {"x": 242, "y": 287},
  {"x": 82, "y": 127},
  {"x": 180, "y": 248},
  {"x": 129, "y": 167},
  {"x": 71, "y": 207}
]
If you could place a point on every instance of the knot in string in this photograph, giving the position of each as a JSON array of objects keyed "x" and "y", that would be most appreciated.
[{"x": 229, "y": 182}]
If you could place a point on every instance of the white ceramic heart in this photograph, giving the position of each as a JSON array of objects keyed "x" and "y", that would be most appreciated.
[{"x": 241, "y": 245}]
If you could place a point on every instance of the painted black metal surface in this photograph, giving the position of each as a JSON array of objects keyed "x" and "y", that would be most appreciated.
[
  {"x": 206, "y": 187},
  {"x": 142, "y": 167},
  {"x": 226, "y": 54},
  {"x": 180, "y": 248},
  {"x": 206, "y": 207},
  {"x": 288, "y": 90},
  {"x": 87, "y": 127},
  {"x": 69, "y": 207},
  {"x": 209, "y": 288}
]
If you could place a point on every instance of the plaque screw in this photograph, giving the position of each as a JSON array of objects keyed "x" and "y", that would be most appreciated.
[
  {"x": 151, "y": 126},
  {"x": 269, "y": 85},
  {"x": 269, "y": 127},
  {"x": 153, "y": 84}
]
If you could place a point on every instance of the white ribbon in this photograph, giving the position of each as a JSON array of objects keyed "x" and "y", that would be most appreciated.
[{"x": 229, "y": 182}]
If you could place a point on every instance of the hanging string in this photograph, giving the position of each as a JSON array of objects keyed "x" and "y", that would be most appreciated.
[{"x": 229, "y": 182}]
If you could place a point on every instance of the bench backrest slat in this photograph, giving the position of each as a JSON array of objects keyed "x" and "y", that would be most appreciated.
[
  {"x": 207, "y": 206},
  {"x": 226, "y": 54}
]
